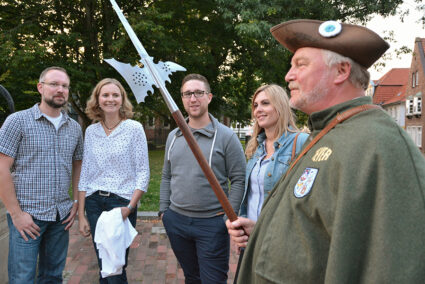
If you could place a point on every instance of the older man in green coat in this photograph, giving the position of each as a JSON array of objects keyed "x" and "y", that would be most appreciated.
[{"x": 351, "y": 208}]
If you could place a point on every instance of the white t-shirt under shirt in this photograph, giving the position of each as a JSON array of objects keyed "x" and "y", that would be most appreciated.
[
  {"x": 117, "y": 163},
  {"x": 54, "y": 120}
]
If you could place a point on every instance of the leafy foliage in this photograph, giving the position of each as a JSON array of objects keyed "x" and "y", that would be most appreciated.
[{"x": 228, "y": 41}]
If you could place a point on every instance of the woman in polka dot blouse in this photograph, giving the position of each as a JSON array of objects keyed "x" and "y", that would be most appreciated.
[{"x": 115, "y": 171}]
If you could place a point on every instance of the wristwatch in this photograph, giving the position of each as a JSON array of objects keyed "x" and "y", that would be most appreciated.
[{"x": 131, "y": 207}]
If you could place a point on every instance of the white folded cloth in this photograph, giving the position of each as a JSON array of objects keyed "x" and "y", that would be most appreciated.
[{"x": 112, "y": 237}]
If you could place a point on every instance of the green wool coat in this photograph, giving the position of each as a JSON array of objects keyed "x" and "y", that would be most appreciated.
[{"x": 350, "y": 211}]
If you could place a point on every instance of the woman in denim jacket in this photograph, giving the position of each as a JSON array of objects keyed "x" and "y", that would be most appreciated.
[{"x": 270, "y": 149}]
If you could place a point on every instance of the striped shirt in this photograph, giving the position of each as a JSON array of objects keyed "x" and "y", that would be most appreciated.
[{"x": 43, "y": 158}]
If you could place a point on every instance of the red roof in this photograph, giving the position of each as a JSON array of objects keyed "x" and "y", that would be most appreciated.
[
  {"x": 391, "y": 86},
  {"x": 399, "y": 97}
]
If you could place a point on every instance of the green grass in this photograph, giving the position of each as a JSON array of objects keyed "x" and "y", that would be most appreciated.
[{"x": 150, "y": 200}]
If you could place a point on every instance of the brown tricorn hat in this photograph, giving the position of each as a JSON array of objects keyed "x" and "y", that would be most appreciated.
[{"x": 356, "y": 42}]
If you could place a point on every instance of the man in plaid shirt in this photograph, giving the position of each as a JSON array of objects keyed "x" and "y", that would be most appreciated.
[{"x": 40, "y": 152}]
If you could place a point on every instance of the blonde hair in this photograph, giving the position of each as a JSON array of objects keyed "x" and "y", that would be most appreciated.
[
  {"x": 95, "y": 113},
  {"x": 286, "y": 121}
]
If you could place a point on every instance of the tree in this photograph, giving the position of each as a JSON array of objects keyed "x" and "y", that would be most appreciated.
[
  {"x": 7, "y": 106},
  {"x": 257, "y": 58},
  {"x": 77, "y": 35},
  {"x": 228, "y": 41}
]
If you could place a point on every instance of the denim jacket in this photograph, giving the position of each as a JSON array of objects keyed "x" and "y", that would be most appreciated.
[{"x": 279, "y": 163}]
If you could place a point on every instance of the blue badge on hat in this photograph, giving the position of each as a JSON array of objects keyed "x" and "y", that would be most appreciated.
[{"x": 330, "y": 29}]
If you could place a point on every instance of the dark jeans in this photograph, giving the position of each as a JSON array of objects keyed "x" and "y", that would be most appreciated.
[
  {"x": 51, "y": 248},
  {"x": 95, "y": 205},
  {"x": 201, "y": 246}
]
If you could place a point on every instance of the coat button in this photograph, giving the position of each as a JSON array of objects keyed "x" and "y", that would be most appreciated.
[
  {"x": 269, "y": 174},
  {"x": 272, "y": 158}
]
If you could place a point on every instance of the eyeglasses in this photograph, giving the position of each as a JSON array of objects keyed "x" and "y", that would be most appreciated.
[
  {"x": 197, "y": 94},
  {"x": 55, "y": 85}
]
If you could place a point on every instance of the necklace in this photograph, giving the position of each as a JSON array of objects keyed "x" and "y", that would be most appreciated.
[{"x": 109, "y": 129}]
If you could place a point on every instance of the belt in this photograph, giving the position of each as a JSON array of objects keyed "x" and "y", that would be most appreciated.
[{"x": 103, "y": 193}]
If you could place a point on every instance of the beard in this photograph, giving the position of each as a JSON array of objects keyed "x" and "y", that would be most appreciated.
[
  {"x": 307, "y": 99},
  {"x": 51, "y": 102},
  {"x": 197, "y": 114}
]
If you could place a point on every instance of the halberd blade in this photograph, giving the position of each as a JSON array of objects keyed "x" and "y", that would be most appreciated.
[
  {"x": 139, "y": 80},
  {"x": 165, "y": 69}
]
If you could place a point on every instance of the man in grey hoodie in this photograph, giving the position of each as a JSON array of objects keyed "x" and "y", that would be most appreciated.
[{"x": 191, "y": 213}]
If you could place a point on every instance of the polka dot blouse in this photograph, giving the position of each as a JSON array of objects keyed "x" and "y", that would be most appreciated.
[{"x": 117, "y": 163}]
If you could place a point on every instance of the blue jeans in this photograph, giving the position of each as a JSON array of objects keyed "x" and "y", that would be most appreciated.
[
  {"x": 95, "y": 205},
  {"x": 201, "y": 245},
  {"x": 51, "y": 247}
]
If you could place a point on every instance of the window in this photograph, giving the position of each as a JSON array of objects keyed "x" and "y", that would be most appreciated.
[
  {"x": 166, "y": 123},
  {"x": 419, "y": 105},
  {"x": 393, "y": 112},
  {"x": 409, "y": 106},
  {"x": 150, "y": 123},
  {"x": 415, "y": 132},
  {"x": 417, "y": 78},
  {"x": 415, "y": 104},
  {"x": 413, "y": 80}
]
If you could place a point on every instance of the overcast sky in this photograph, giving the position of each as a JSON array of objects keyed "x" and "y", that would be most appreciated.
[{"x": 404, "y": 33}]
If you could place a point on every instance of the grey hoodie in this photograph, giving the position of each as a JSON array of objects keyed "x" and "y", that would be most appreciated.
[{"x": 184, "y": 187}]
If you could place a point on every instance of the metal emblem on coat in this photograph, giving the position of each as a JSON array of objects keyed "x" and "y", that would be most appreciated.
[
  {"x": 322, "y": 154},
  {"x": 305, "y": 183}
]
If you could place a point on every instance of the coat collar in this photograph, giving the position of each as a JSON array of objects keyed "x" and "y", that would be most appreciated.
[
  {"x": 319, "y": 120},
  {"x": 37, "y": 114}
]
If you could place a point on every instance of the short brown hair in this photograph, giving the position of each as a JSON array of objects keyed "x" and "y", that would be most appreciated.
[
  {"x": 197, "y": 77},
  {"x": 44, "y": 72},
  {"x": 95, "y": 113}
]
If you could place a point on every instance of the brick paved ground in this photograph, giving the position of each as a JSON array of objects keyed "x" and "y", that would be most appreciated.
[{"x": 151, "y": 258}]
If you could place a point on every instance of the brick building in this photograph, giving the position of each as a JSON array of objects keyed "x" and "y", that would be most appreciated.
[
  {"x": 390, "y": 93},
  {"x": 415, "y": 119}
]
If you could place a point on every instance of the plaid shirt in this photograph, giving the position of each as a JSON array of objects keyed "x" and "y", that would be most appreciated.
[{"x": 42, "y": 161}]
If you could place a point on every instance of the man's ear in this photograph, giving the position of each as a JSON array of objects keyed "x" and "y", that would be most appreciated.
[
  {"x": 343, "y": 72},
  {"x": 40, "y": 87},
  {"x": 210, "y": 95}
]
